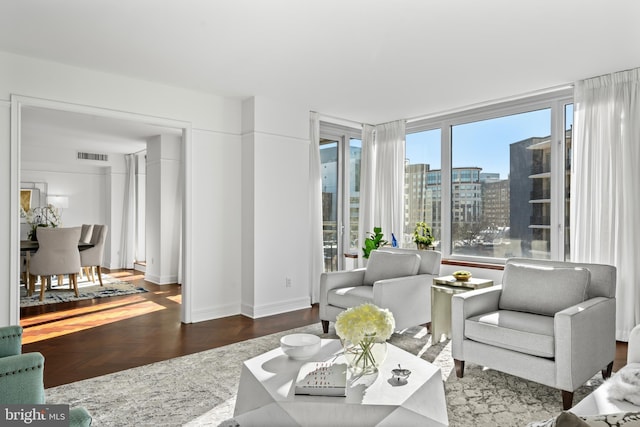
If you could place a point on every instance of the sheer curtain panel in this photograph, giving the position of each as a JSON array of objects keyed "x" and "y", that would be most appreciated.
[
  {"x": 389, "y": 178},
  {"x": 367, "y": 187},
  {"x": 604, "y": 184},
  {"x": 316, "y": 262}
]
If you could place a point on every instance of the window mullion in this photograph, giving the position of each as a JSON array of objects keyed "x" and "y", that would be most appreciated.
[{"x": 445, "y": 239}]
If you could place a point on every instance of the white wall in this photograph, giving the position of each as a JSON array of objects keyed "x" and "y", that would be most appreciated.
[
  {"x": 8, "y": 230},
  {"x": 214, "y": 135},
  {"x": 275, "y": 141},
  {"x": 94, "y": 189},
  {"x": 217, "y": 223},
  {"x": 164, "y": 201}
]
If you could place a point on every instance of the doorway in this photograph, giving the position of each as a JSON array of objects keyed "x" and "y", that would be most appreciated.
[{"x": 99, "y": 128}]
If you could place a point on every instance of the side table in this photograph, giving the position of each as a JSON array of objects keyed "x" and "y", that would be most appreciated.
[{"x": 442, "y": 290}]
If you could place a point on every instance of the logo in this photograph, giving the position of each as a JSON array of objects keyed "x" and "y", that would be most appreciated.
[{"x": 34, "y": 415}]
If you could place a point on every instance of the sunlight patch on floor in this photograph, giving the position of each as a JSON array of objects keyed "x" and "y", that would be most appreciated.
[
  {"x": 88, "y": 321},
  {"x": 176, "y": 298}
]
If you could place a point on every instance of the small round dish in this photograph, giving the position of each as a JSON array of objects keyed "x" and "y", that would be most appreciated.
[
  {"x": 462, "y": 275},
  {"x": 400, "y": 375},
  {"x": 300, "y": 346}
]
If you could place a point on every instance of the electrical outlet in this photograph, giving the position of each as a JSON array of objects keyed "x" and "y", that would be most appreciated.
[{"x": 287, "y": 282}]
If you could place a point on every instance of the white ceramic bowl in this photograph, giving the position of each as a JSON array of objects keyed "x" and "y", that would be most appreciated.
[{"x": 300, "y": 346}]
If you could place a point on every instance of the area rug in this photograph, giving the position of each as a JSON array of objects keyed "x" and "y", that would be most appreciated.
[
  {"x": 200, "y": 389},
  {"x": 86, "y": 289}
]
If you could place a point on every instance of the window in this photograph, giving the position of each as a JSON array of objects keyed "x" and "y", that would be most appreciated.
[
  {"x": 340, "y": 149},
  {"x": 422, "y": 179},
  {"x": 503, "y": 188}
]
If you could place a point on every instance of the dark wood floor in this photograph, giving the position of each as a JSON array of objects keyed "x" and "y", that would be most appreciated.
[{"x": 89, "y": 338}]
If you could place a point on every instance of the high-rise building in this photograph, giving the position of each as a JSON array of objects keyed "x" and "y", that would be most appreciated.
[{"x": 530, "y": 187}]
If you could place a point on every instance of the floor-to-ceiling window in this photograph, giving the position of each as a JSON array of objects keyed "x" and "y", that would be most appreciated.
[
  {"x": 340, "y": 149},
  {"x": 422, "y": 185},
  {"x": 493, "y": 182}
]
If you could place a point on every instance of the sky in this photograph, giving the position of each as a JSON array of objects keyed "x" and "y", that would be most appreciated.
[{"x": 483, "y": 144}]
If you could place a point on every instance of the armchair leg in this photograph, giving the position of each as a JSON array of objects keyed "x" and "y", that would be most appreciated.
[
  {"x": 459, "y": 367},
  {"x": 325, "y": 326},
  {"x": 567, "y": 400},
  {"x": 606, "y": 372}
]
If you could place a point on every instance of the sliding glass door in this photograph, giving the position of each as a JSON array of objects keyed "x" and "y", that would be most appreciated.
[{"x": 340, "y": 169}]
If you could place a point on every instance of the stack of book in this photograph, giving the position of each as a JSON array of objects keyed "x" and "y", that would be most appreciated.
[{"x": 322, "y": 379}]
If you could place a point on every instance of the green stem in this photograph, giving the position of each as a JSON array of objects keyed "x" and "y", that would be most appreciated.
[{"x": 365, "y": 358}]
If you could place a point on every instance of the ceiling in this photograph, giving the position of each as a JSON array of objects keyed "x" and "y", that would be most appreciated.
[
  {"x": 85, "y": 132},
  {"x": 362, "y": 60}
]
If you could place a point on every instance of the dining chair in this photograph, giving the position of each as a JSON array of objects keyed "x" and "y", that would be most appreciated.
[
  {"x": 85, "y": 237},
  {"x": 86, "y": 230},
  {"x": 92, "y": 257},
  {"x": 57, "y": 254}
]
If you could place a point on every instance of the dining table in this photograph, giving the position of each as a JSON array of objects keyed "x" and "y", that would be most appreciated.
[{"x": 29, "y": 246}]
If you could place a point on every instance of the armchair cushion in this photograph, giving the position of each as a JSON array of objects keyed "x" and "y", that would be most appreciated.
[
  {"x": 542, "y": 290},
  {"x": 524, "y": 332},
  {"x": 429, "y": 260},
  {"x": 350, "y": 297},
  {"x": 387, "y": 265}
]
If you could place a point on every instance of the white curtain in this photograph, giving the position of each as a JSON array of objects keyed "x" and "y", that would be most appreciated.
[
  {"x": 605, "y": 178},
  {"x": 316, "y": 249},
  {"x": 367, "y": 187},
  {"x": 389, "y": 178},
  {"x": 127, "y": 238}
]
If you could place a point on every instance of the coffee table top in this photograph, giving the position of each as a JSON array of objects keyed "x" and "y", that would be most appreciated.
[{"x": 267, "y": 387}]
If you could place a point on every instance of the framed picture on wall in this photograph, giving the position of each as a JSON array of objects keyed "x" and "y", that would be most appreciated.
[{"x": 25, "y": 200}]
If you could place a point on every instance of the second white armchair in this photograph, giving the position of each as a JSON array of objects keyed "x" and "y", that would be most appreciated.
[{"x": 396, "y": 279}]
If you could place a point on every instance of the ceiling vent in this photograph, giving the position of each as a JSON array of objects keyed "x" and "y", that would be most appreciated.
[{"x": 93, "y": 156}]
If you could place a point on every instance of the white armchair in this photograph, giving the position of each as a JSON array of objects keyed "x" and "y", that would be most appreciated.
[
  {"x": 602, "y": 400},
  {"x": 550, "y": 322},
  {"x": 397, "y": 279}
]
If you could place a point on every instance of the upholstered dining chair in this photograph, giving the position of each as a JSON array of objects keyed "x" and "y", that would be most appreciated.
[
  {"x": 86, "y": 230},
  {"x": 85, "y": 237},
  {"x": 92, "y": 257},
  {"x": 57, "y": 254}
]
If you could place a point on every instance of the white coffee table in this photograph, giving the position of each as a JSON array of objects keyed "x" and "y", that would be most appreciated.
[{"x": 266, "y": 394}]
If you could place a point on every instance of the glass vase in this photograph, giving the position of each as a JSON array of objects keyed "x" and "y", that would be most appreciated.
[{"x": 366, "y": 356}]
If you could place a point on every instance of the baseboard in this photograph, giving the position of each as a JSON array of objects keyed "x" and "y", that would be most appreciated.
[
  {"x": 161, "y": 280},
  {"x": 256, "y": 312},
  {"x": 212, "y": 313}
]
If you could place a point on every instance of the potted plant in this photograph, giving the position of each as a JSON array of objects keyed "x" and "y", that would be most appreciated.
[
  {"x": 423, "y": 236},
  {"x": 373, "y": 241},
  {"x": 46, "y": 216}
]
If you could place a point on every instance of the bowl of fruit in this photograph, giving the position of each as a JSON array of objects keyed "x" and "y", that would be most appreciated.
[{"x": 462, "y": 275}]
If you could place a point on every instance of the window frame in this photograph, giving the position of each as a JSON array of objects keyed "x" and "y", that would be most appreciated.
[
  {"x": 342, "y": 134},
  {"x": 556, "y": 102}
]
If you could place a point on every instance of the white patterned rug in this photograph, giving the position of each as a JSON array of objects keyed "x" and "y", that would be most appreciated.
[
  {"x": 86, "y": 289},
  {"x": 200, "y": 389}
]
